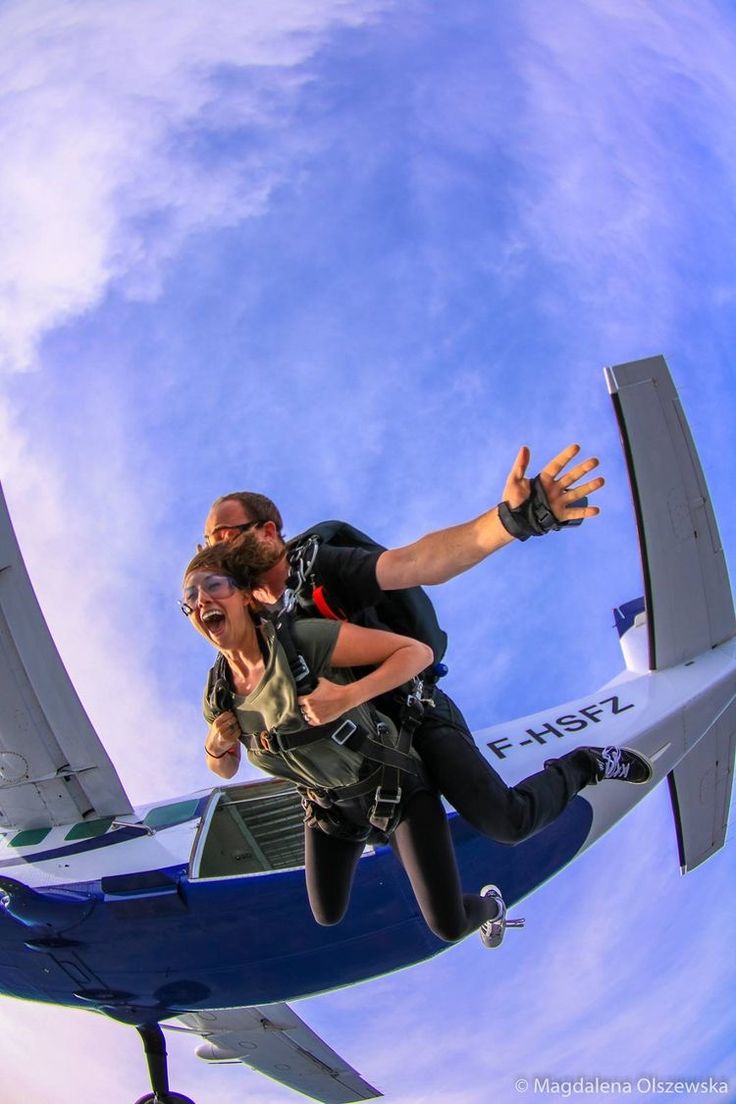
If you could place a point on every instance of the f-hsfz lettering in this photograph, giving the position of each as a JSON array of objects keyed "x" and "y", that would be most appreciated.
[{"x": 562, "y": 726}]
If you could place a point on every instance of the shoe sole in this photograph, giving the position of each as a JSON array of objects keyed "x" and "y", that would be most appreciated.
[{"x": 492, "y": 941}]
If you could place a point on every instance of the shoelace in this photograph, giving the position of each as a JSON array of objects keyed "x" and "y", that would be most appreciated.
[{"x": 613, "y": 765}]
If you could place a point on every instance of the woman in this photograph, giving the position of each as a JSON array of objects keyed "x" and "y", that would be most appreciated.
[{"x": 262, "y": 710}]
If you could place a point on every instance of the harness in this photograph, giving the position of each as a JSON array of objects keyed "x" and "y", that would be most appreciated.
[
  {"x": 302, "y": 590},
  {"x": 380, "y": 788},
  {"x": 378, "y": 792}
]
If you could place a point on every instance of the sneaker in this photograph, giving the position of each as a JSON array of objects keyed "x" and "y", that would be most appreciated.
[
  {"x": 622, "y": 763},
  {"x": 492, "y": 931}
]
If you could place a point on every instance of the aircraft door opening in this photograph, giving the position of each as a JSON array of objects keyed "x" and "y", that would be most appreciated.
[{"x": 249, "y": 829}]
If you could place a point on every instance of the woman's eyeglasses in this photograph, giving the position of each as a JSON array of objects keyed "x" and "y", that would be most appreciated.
[{"x": 216, "y": 586}]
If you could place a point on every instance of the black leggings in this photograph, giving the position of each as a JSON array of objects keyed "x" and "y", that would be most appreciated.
[
  {"x": 423, "y": 845},
  {"x": 507, "y": 814}
]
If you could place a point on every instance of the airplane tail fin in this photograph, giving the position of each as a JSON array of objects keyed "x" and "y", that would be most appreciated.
[{"x": 688, "y": 603}]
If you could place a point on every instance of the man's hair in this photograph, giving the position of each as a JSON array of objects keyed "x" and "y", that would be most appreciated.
[{"x": 257, "y": 506}]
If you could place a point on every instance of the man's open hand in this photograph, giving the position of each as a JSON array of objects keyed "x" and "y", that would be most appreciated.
[{"x": 558, "y": 488}]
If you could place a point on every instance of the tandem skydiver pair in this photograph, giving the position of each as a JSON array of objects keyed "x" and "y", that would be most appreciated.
[{"x": 371, "y": 761}]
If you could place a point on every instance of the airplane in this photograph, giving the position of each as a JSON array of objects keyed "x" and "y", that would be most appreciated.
[{"x": 194, "y": 908}]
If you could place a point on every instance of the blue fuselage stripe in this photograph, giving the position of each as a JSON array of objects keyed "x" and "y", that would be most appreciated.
[{"x": 109, "y": 839}]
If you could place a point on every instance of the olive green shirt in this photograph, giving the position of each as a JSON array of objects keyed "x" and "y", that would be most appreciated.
[{"x": 273, "y": 704}]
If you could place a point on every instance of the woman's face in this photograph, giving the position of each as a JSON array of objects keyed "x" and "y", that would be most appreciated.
[{"x": 218, "y": 609}]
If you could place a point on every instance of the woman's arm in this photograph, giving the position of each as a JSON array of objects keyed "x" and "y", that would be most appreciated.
[
  {"x": 222, "y": 745},
  {"x": 398, "y": 658}
]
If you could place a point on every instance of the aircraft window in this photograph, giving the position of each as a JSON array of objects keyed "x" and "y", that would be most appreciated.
[
  {"x": 254, "y": 827},
  {"x": 88, "y": 829},
  {"x": 166, "y": 815},
  {"x": 30, "y": 837}
]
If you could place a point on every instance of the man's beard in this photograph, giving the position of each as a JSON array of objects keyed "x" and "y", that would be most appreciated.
[{"x": 253, "y": 557}]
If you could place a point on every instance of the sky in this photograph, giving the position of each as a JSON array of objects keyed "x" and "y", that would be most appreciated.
[{"x": 353, "y": 254}]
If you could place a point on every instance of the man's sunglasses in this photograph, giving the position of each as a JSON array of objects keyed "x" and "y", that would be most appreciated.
[
  {"x": 216, "y": 586},
  {"x": 211, "y": 538}
]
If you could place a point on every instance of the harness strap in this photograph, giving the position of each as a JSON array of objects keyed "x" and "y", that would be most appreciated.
[
  {"x": 366, "y": 785},
  {"x": 385, "y": 783},
  {"x": 371, "y": 784},
  {"x": 344, "y": 732},
  {"x": 219, "y": 689},
  {"x": 302, "y": 589},
  {"x": 319, "y": 597},
  {"x": 385, "y": 809},
  {"x": 300, "y": 672}
]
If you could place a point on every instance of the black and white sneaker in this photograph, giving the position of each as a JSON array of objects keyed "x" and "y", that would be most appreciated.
[
  {"x": 492, "y": 931},
  {"x": 622, "y": 763}
]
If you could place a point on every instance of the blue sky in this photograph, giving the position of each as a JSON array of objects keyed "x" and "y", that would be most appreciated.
[{"x": 353, "y": 253}]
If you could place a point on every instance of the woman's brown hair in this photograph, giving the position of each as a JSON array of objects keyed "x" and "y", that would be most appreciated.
[{"x": 244, "y": 559}]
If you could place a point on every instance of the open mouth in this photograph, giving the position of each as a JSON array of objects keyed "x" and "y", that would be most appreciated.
[{"x": 213, "y": 620}]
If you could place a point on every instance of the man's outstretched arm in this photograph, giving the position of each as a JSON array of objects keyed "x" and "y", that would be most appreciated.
[{"x": 440, "y": 556}]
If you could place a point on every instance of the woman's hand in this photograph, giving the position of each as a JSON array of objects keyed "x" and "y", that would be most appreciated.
[
  {"x": 327, "y": 702},
  {"x": 223, "y": 745}
]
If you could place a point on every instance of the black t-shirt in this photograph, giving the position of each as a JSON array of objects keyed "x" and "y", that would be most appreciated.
[
  {"x": 349, "y": 578},
  {"x": 343, "y": 577}
]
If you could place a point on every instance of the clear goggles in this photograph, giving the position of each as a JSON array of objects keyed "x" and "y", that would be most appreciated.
[{"x": 214, "y": 586}]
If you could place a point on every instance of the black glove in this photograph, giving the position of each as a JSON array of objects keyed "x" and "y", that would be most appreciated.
[{"x": 534, "y": 517}]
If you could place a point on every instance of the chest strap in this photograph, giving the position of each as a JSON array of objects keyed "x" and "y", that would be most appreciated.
[
  {"x": 343, "y": 732},
  {"x": 384, "y": 783}
]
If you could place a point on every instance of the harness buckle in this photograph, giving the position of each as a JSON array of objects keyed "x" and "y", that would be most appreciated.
[
  {"x": 384, "y": 799},
  {"x": 347, "y": 728},
  {"x": 300, "y": 669},
  {"x": 379, "y": 816},
  {"x": 271, "y": 741},
  {"x": 414, "y": 707}
]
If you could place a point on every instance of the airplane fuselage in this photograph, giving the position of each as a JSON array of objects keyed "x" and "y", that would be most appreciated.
[{"x": 130, "y": 921}]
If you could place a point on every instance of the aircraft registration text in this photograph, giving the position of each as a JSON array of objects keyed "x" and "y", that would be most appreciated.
[{"x": 562, "y": 726}]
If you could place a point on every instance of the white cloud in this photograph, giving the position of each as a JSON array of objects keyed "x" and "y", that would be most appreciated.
[
  {"x": 99, "y": 108},
  {"x": 103, "y": 179}
]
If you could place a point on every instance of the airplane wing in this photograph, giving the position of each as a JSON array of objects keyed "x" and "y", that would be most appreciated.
[
  {"x": 273, "y": 1040},
  {"x": 53, "y": 767},
  {"x": 689, "y": 606}
]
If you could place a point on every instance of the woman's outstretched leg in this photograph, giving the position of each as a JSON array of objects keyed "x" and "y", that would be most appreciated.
[{"x": 423, "y": 845}]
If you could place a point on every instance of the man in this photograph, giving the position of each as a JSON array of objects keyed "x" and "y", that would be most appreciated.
[{"x": 356, "y": 579}]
